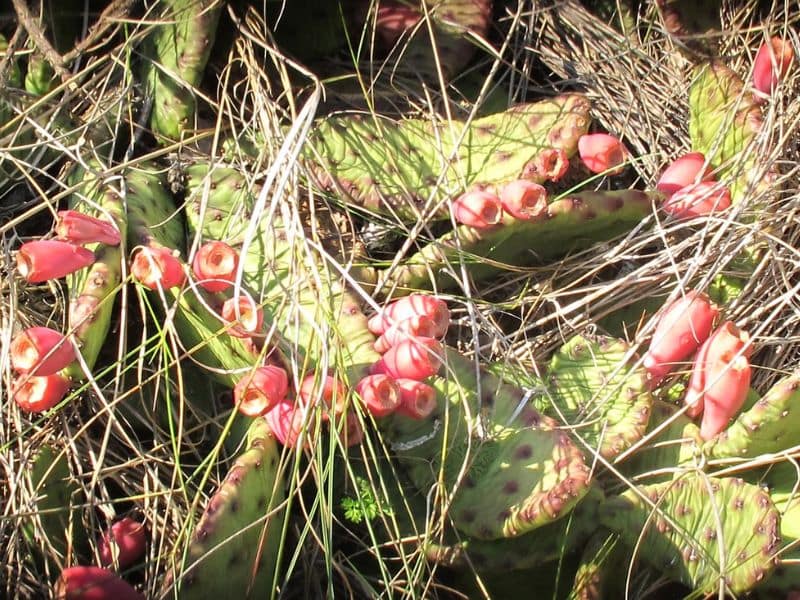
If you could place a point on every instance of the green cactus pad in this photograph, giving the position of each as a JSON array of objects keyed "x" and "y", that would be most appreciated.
[
  {"x": 93, "y": 290},
  {"x": 599, "y": 393},
  {"x": 599, "y": 562},
  {"x": 681, "y": 532},
  {"x": 394, "y": 168},
  {"x": 570, "y": 224},
  {"x": 724, "y": 121},
  {"x": 771, "y": 425},
  {"x": 521, "y": 472},
  {"x": 234, "y": 550}
]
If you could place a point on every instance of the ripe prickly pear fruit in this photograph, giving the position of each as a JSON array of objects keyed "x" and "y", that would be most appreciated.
[
  {"x": 727, "y": 385},
  {"x": 683, "y": 326},
  {"x": 684, "y": 171},
  {"x": 155, "y": 266},
  {"x": 215, "y": 266},
  {"x": 78, "y": 228},
  {"x": 551, "y": 164},
  {"x": 331, "y": 391},
  {"x": 524, "y": 200},
  {"x": 417, "y": 399},
  {"x": 246, "y": 315},
  {"x": 414, "y": 326},
  {"x": 125, "y": 541},
  {"x": 394, "y": 20},
  {"x": 477, "y": 208},
  {"x": 286, "y": 421},
  {"x": 38, "y": 394},
  {"x": 40, "y": 351},
  {"x": 415, "y": 358},
  {"x": 42, "y": 260},
  {"x": 698, "y": 199},
  {"x": 260, "y": 390},
  {"x": 379, "y": 394},
  {"x": 409, "y": 306},
  {"x": 351, "y": 433},
  {"x": 602, "y": 153},
  {"x": 772, "y": 62},
  {"x": 723, "y": 345},
  {"x": 93, "y": 583}
]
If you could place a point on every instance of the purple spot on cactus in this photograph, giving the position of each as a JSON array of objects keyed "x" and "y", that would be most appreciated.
[
  {"x": 468, "y": 516},
  {"x": 529, "y": 417},
  {"x": 486, "y": 130},
  {"x": 468, "y": 482},
  {"x": 504, "y": 515},
  {"x": 710, "y": 534},
  {"x": 523, "y": 452},
  {"x": 511, "y": 487},
  {"x": 738, "y": 504},
  {"x": 502, "y": 156},
  {"x": 683, "y": 510},
  {"x": 485, "y": 532},
  {"x": 234, "y": 506}
]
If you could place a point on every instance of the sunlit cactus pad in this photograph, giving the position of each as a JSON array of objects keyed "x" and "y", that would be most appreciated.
[{"x": 699, "y": 530}]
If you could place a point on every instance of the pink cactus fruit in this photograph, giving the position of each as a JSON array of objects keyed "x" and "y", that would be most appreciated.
[
  {"x": 772, "y": 63},
  {"x": 417, "y": 399},
  {"x": 350, "y": 432},
  {"x": 524, "y": 200},
  {"x": 415, "y": 358},
  {"x": 330, "y": 391},
  {"x": 551, "y": 164},
  {"x": 42, "y": 260},
  {"x": 258, "y": 391},
  {"x": 38, "y": 394},
  {"x": 602, "y": 153},
  {"x": 721, "y": 347},
  {"x": 79, "y": 228},
  {"x": 215, "y": 266},
  {"x": 393, "y": 20},
  {"x": 40, "y": 351},
  {"x": 155, "y": 266},
  {"x": 125, "y": 541},
  {"x": 698, "y": 199},
  {"x": 685, "y": 170},
  {"x": 414, "y": 326},
  {"x": 416, "y": 304},
  {"x": 727, "y": 384},
  {"x": 93, "y": 583},
  {"x": 478, "y": 208},
  {"x": 245, "y": 313},
  {"x": 682, "y": 327},
  {"x": 287, "y": 422},
  {"x": 379, "y": 394}
]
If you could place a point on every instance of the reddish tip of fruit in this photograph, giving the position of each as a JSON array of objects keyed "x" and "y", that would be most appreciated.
[
  {"x": 415, "y": 358},
  {"x": 125, "y": 541},
  {"x": 685, "y": 170},
  {"x": 287, "y": 421},
  {"x": 330, "y": 391},
  {"x": 40, "y": 351},
  {"x": 478, "y": 209},
  {"x": 602, "y": 153},
  {"x": 43, "y": 260},
  {"x": 697, "y": 200},
  {"x": 772, "y": 63},
  {"x": 78, "y": 228},
  {"x": 215, "y": 266},
  {"x": 417, "y": 399},
  {"x": 246, "y": 315},
  {"x": 155, "y": 266},
  {"x": 379, "y": 394},
  {"x": 414, "y": 305},
  {"x": 39, "y": 393},
  {"x": 414, "y": 326},
  {"x": 260, "y": 390},
  {"x": 93, "y": 583},
  {"x": 524, "y": 200}
]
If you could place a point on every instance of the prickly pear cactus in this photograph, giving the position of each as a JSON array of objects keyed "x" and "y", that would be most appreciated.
[
  {"x": 520, "y": 471},
  {"x": 702, "y": 531},
  {"x": 598, "y": 564},
  {"x": 396, "y": 168},
  {"x": 771, "y": 425},
  {"x": 598, "y": 391},
  {"x": 235, "y": 549}
]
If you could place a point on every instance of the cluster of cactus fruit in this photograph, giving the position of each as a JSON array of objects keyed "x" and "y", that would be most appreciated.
[{"x": 517, "y": 468}]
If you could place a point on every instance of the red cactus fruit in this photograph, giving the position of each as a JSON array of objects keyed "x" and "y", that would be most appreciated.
[
  {"x": 287, "y": 422},
  {"x": 215, "y": 266},
  {"x": 415, "y": 358},
  {"x": 417, "y": 399},
  {"x": 682, "y": 327},
  {"x": 393, "y": 20},
  {"x": 685, "y": 170},
  {"x": 125, "y": 541},
  {"x": 260, "y": 390},
  {"x": 243, "y": 311},
  {"x": 477, "y": 208},
  {"x": 78, "y": 228},
  {"x": 379, "y": 394},
  {"x": 351, "y": 433},
  {"x": 724, "y": 344},
  {"x": 40, "y": 351},
  {"x": 772, "y": 63},
  {"x": 38, "y": 394},
  {"x": 155, "y": 266},
  {"x": 602, "y": 153},
  {"x": 42, "y": 260},
  {"x": 523, "y": 200},
  {"x": 414, "y": 326},
  {"x": 330, "y": 390},
  {"x": 93, "y": 583},
  {"x": 727, "y": 384},
  {"x": 416, "y": 304},
  {"x": 551, "y": 164},
  {"x": 697, "y": 200}
]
